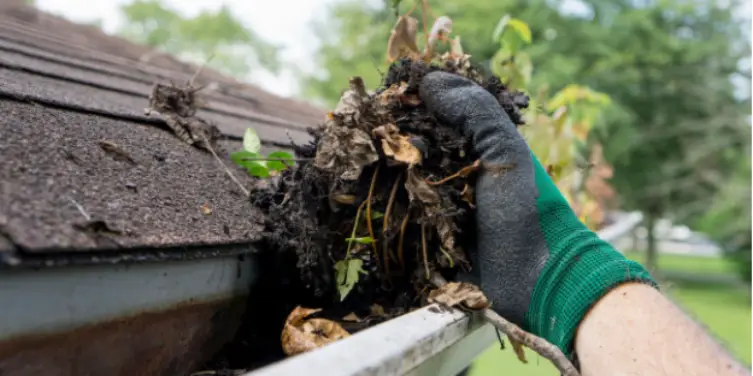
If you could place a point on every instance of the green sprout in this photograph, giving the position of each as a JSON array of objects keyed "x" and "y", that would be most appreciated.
[{"x": 257, "y": 164}]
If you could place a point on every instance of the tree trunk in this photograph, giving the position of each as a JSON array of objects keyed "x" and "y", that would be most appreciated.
[{"x": 651, "y": 252}]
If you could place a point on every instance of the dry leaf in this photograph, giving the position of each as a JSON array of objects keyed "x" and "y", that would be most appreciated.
[
  {"x": 397, "y": 146},
  {"x": 352, "y": 317},
  {"x": 377, "y": 310},
  {"x": 460, "y": 295},
  {"x": 345, "y": 149},
  {"x": 456, "y": 49},
  {"x": 301, "y": 334},
  {"x": 402, "y": 42},
  {"x": 344, "y": 199},
  {"x": 206, "y": 209},
  {"x": 419, "y": 189},
  {"x": 467, "y": 195},
  {"x": 518, "y": 348}
]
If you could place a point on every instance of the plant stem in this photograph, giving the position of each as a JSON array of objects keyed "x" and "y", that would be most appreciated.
[
  {"x": 227, "y": 170},
  {"x": 424, "y": 251},
  {"x": 355, "y": 229},
  {"x": 368, "y": 214}
]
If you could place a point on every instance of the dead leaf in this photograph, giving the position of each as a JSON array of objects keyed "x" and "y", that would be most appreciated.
[
  {"x": 446, "y": 229},
  {"x": 467, "y": 195},
  {"x": 419, "y": 189},
  {"x": 301, "y": 334},
  {"x": 397, "y": 146},
  {"x": 377, "y": 310},
  {"x": 460, "y": 295},
  {"x": 456, "y": 49},
  {"x": 352, "y": 317},
  {"x": 518, "y": 348},
  {"x": 345, "y": 149},
  {"x": 402, "y": 42},
  {"x": 344, "y": 199},
  {"x": 206, "y": 209}
]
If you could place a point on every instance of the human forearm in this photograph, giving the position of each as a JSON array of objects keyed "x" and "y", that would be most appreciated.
[{"x": 635, "y": 330}]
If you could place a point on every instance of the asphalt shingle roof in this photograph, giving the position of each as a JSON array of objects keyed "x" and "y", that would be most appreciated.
[{"x": 65, "y": 89}]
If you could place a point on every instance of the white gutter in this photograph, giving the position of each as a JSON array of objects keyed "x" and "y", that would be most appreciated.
[{"x": 421, "y": 343}]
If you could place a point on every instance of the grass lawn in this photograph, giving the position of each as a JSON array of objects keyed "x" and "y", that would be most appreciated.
[
  {"x": 724, "y": 310},
  {"x": 688, "y": 264}
]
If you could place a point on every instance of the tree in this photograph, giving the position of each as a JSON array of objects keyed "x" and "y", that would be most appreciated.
[
  {"x": 666, "y": 64},
  {"x": 214, "y": 36}
]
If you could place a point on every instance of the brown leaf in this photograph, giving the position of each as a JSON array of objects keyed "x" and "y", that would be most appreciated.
[
  {"x": 377, "y": 310},
  {"x": 467, "y": 195},
  {"x": 461, "y": 295},
  {"x": 419, "y": 189},
  {"x": 352, "y": 317},
  {"x": 344, "y": 148},
  {"x": 397, "y": 146},
  {"x": 301, "y": 334},
  {"x": 402, "y": 42},
  {"x": 518, "y": 348}
]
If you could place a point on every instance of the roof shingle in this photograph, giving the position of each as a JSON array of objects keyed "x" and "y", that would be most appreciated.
[{"x": 64, "y": 89}]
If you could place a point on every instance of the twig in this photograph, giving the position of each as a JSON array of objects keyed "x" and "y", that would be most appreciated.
[
  {"x": 81, "y": 209},
  {"x": 368, "y": 214},
  {"x": 465, "y": 171},
  {"x": 515, "y": 334},
  {"x": 400, "y": 253},
  {"x": 423, "y": 250},
  {"x": 227, "y": 170}
]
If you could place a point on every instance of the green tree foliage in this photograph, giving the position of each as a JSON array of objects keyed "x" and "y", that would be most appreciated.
[
  {"x": 216, "y": 35},
  {"x": 674, "y": 128}
]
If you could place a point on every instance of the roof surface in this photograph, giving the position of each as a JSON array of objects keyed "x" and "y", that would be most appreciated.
[{"x": 67, "y": 88}]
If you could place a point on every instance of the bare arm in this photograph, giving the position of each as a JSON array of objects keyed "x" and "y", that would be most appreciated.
[{"x": 635, "y": 330}]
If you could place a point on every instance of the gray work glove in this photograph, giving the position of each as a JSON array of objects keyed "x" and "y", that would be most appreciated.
[{"x": 538, "y": 264}]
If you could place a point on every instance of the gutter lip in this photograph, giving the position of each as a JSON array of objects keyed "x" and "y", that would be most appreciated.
[
  {"x": 20, "y": 258},
  {"x": 418, "y": 343}
]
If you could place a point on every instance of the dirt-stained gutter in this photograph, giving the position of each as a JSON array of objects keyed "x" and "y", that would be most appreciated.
[{"x": 425, "y": 342}]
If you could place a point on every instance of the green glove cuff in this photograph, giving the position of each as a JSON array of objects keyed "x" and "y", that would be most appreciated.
[{"x": 580, "y": 270}]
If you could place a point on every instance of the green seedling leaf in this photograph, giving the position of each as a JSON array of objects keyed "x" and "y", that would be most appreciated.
[
  {"x": 521, "y": 28},
  {"x": 251, "y": 141},
  {"x": 280, "y": 160},
  {"x": 239, "y": 156},
  {"x": 500, "y": 27},
  {"x": 347, "y": 273},
  {"x": 363, "y": 240},
  {"x": 257, "y": 169},
  {"x": 376, "y": 215}
]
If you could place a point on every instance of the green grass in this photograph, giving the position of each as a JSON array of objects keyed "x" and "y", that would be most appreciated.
[
  {"x": 724, "y": 310},
  {"x": 688, "y": 264}
]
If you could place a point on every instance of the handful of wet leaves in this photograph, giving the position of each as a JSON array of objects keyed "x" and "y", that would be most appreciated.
[{"x": 383, "y": 195}]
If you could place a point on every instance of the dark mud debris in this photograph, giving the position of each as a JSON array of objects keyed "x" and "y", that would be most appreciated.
[
  {"x": 382, "y": 183},
  {"x": 409, "y": 179}
]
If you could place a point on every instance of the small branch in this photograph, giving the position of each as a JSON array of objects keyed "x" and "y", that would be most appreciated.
[
  {"x": 227, "y": 170},
  {"x": 515, "y": 334}
]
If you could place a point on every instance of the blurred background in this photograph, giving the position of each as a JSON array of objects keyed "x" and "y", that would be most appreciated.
[{"x": 640, "y": 109}]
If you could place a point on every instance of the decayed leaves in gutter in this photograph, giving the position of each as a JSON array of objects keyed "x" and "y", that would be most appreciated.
[{"x": 302, "y": 333}]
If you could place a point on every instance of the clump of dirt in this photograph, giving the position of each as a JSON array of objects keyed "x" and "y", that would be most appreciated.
[{"x": 381, "y": 197}]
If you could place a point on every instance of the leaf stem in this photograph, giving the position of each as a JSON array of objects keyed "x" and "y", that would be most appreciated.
[{"x": 368, "y": 214}]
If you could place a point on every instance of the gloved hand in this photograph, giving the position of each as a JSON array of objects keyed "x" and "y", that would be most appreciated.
[{"x": 538, "y": 264}]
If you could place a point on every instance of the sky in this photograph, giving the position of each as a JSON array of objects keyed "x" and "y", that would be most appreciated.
[
  {"x": 281, "y": 22},
  {"x": 290, "y": 31}
]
